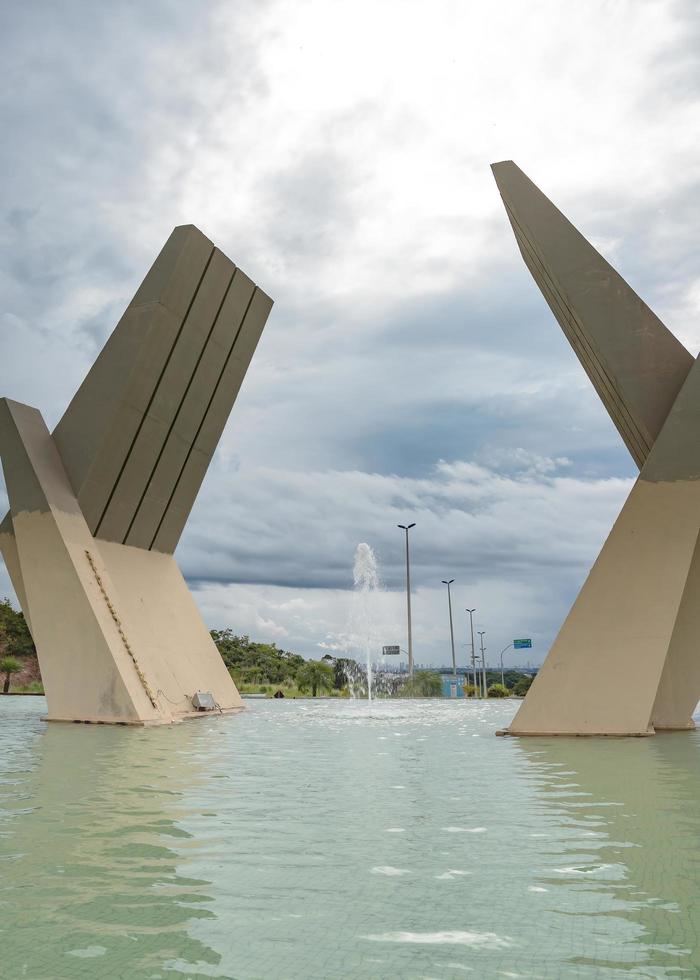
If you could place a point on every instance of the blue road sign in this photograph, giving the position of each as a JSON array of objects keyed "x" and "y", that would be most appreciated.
[{"x": 522, "y": 644}]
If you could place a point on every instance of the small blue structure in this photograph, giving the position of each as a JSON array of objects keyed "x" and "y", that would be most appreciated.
[{"x": 452, "y": 687}]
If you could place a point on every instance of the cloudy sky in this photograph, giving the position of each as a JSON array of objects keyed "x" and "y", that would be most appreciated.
[{"x": 410, "y": 370}]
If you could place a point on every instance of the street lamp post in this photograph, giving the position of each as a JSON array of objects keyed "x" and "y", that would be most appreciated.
[
  {"x": 407, "y": 528},
  {"x": 501, "y": 656},
  {"x": 483, "y": 661},
  {"x": 471, "y": 629},
  {"x": 452, "y": 632}
]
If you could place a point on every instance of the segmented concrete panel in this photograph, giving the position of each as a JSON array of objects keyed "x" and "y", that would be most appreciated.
[
  {"x": 172, "y": 385},
  {"x": 207, "y": 438},
  {"x": 191, "y": 411},
  {"x": 98, "y": 428}
]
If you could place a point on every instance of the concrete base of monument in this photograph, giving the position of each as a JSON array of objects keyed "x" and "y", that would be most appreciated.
[
  {"x": 147, "y": 723},
  {"x": 514, "y": 734},
  {"x": 688, "y": 727}
]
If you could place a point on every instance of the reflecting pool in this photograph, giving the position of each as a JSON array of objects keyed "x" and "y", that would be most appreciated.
[{"x": 308, "y": 840}]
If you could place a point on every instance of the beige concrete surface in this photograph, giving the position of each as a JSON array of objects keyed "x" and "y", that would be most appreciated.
[
  {"x": 625, "y": 660},
  {"x": 118, "y": 634},
  {"x": 86, "y": 667},
  {"x": 679, "y": 687},
  {"x": 604, "y": 669},
  {"x": 177, "y": 652}
]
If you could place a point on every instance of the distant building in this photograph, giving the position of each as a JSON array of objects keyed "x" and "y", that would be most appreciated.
[{"x": 452, "y": 687}]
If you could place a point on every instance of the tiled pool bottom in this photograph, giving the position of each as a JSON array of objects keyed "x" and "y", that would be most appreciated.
[{"x": 307, "y": 840}]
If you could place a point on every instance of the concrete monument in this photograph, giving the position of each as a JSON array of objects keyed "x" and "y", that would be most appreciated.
[
  {"x": 626, "y": 659},
  {"x": 98, "y": 506}
]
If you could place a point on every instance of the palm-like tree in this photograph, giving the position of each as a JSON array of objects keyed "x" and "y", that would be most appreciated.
[
  {"x": 9, "y": 666},
  {"x": 315, "y": 676}
]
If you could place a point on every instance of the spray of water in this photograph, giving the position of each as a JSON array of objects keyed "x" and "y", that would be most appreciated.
[{"x": 366, "y": 580}]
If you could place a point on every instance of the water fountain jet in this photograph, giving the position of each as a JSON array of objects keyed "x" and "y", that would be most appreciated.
[{"x": 366, "y": 579}]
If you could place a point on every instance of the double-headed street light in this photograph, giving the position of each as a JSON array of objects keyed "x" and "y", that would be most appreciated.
[
  {"x": 407, "y": 528},
  {"x": 471, "y": 629},
  {"x": 452, "y": 632}
]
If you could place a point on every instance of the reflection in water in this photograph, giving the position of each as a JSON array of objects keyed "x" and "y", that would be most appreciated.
[
  {"x": 88, "y": 819},
  {"x": 621, "y": 873},
  {"x": 313, "y": 841}
]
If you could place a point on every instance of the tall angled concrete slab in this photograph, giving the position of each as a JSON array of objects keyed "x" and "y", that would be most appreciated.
[
  {"x": 95, "y": 435},
  {"x": 238, "y": 317},
  {"x": 172, "y": 385},
  {"x": 635, "y": 363},
  {"x": 201, "y": 449},
  {"x": 625, "y": 660},
  {"x": 117, "y": 631}
]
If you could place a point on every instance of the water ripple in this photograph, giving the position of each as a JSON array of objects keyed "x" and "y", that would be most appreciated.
[{"x": 293, "y": 839}]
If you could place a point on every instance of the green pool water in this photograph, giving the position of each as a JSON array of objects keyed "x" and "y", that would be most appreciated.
[{"x": 310, "y": 840}]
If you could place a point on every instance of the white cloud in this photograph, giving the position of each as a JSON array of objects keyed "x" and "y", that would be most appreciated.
[
  {"x": 517, "y": 545},
  {"x": 410, "y": 369}
]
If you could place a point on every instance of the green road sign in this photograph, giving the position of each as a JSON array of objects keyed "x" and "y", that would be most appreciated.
[{"x": 522, "y": 644}]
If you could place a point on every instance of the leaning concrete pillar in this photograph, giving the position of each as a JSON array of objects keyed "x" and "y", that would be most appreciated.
[
  {"x": 89, "y": 667},
  {"x": 624, "y": 662}
]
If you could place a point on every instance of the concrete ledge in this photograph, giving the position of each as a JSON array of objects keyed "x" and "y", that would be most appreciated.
[
  {"x": 690, "y": 727},
  {"x": 511, "y": 734},
  {"x": 22, "y": 694},
  {"x": 147, "y": 723}
]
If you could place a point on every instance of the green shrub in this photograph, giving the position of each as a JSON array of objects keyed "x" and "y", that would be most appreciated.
[
  {"x": 523, "y": 686},
  {"x": 498, "y": 691},
  {"x": 9, "y": 666},
  {"x": 424, "y": 684},
  {"x": 33, "y": 687},
  {"x": 15, "y": 638}
]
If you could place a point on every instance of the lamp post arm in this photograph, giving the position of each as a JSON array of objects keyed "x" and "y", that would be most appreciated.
[{"x": 501, "y": 656}]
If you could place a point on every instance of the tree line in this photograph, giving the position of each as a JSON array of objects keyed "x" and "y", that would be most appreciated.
[
  {"x": 15, "y": 642},
  {"x": 258, "y": 666},
  {"x": 261, "y": 667},
  {"x": 265, "y": 667}
]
